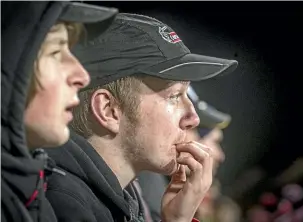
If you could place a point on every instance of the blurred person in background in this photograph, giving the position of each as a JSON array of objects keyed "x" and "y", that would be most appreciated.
[
  {"x": 215, "y": 207},
  {"x": 282, "y": 197}
]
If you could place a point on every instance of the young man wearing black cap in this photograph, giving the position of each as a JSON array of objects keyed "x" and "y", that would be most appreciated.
[
  {"x": 40, "y": 79},
  {"x": 209, "y": 132},
  {"x": 134, "y": 117}
]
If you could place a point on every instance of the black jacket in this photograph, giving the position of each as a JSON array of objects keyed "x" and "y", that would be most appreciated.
[
  {"x": 24, "y": 26},
  {"x": 89, "y": 191}
]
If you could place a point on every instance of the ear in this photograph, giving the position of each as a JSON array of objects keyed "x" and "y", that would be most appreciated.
[{"x": 106, "y": 110}]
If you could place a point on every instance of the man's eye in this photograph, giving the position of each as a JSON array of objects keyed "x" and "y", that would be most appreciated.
[
  {"x": 175, "y": 97},
  {"x": 56, "y": 54}
]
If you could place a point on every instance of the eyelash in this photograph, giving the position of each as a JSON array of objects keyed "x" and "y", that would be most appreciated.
[
  {"x": 176, "y": 96},
  {"x": 55, "y": 52}
]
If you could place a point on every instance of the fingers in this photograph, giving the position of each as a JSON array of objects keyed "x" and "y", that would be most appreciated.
[
  {"x": 197, "y": 150},
  {"x": 208, "y": 170},
  {"x": 199, "y": 160},
  {"x": 208, "y": 163},
  {"x": 180, "y": 174},
  {"x": 190, "y": 162},
  {"x": 182, "y": 198}
]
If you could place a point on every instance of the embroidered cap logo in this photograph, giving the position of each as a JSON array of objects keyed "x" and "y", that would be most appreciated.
[{"x": 170, "y": 37}]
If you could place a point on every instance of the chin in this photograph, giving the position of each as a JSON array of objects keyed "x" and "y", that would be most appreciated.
[
  {"x": 170, "y": 168},
  {"x": 59, "y": 138},
  {"x": 64, "y": 136}
]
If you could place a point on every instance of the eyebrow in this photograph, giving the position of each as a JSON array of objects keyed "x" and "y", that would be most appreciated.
[{"x": 56, "y": 40}]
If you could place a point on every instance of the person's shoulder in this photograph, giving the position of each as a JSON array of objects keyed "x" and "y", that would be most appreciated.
[
  {"x": 73, "y": 200},
  {"x": 11, "y": 204},
  {"x": 13, "y": 209},
  {"x": 67, "y": 184}
]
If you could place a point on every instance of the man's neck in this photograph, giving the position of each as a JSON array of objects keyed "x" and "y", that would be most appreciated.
[{"x": 115, "y": 159}]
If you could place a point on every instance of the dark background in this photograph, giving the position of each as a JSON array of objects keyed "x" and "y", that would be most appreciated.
[{"x": 264, "y": 94}]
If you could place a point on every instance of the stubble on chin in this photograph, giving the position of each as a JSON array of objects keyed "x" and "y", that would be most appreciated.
[{"x": 170, "y": 168}]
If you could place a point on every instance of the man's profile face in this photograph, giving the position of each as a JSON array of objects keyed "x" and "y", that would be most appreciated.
[
  {"x": 60, "y": 76},
  {"x": 164, "y": 115}
]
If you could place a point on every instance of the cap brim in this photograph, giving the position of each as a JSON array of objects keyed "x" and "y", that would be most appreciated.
[
  {"x": 210, "y": 117},
  {"x": 192, "y": 67},
  {"x": 86, "y": 13}
]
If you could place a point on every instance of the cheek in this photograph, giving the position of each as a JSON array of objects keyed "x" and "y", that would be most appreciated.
[
  {"x": 161, "y": 125},
  {"x": 171, "y": 120},
  {"x": 50, "y": 71},
  {"x": 159, "y": 117},
  {"x": 45, "y": 104},
  {"x": 51, "y": 95}
]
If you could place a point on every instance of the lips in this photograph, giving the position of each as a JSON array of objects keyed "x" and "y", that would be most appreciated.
[
  {"x": 73, "y": 104},
  {"x": 70, "y": 107},
  {"x": 69, "y": 115}
]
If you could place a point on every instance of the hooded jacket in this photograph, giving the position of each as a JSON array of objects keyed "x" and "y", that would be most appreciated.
[
  {"x": 24, "y": 26},
  {"x": 89, "y": 191}
]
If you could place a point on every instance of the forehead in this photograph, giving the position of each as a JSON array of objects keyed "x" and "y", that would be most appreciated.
[
  {"x": 57, "y": 28},
  {"x": 57, "y": 35}
]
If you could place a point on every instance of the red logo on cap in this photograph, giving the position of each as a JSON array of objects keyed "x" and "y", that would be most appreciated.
[{"x": 170, "y": 37}]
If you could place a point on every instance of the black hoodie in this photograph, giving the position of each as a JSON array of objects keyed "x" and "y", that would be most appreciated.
[
  {"x": 24, "y": 26},
  {"x": 89, "y": 191}
]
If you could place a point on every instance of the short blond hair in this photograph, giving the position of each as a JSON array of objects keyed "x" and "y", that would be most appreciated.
[
  {"x": 126, "y": 93},
  {"x": 74, "y": 31}
]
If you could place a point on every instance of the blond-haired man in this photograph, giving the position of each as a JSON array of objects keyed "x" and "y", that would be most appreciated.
[{"x": 134, "y": 117}]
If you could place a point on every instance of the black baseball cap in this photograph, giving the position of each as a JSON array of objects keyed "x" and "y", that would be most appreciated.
[
  {"x": 137, "y": 44},
  {"x": 100, "y": 17},
  {"x": 87, "y": 13}
]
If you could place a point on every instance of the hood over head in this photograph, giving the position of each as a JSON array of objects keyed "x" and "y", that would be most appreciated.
[{"x": 24, "y": 25}]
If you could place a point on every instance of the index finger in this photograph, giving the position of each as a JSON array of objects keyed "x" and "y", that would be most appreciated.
[{"x": 197, "y": 150}]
